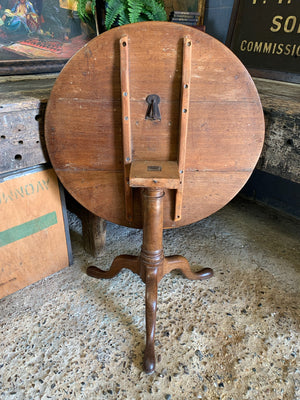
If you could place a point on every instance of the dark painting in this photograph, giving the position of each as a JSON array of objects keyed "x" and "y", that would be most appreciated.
[{"x": 41, "y": 29}]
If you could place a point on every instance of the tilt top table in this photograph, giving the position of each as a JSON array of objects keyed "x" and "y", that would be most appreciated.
[{"x": 153, "y": 125}]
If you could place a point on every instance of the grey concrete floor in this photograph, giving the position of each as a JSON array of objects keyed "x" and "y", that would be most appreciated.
[{"x": 233, "y": 337}]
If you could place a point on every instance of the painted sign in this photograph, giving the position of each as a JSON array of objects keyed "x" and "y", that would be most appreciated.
[{"x": 265, "y": 34}]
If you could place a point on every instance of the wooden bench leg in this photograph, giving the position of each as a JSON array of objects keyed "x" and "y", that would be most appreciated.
[
  {"x": 93, "y": 233},
  {"x": 93, "y": 227}
]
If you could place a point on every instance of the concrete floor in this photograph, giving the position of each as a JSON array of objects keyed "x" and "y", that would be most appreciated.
[{"x": 233, "y": 337}]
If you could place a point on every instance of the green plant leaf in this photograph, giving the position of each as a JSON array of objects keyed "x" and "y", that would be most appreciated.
[
  {"x": 155, "y": 11},
  {"x": 114, "y": 9},
  {"x": 135, "y": 8},
  {"x": 131, "y": 11}
]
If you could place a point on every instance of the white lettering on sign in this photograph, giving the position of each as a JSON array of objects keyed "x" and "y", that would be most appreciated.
[
  {"x": 288, "y": 25},
  {"x": 254, "y": 2},
  {"x": 270, "y": 48}
]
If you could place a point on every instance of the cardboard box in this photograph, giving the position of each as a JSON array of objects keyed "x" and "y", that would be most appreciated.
[{"x": 34, "y": 235}]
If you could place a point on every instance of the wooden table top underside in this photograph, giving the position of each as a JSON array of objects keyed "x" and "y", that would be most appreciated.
[{"x": 84, "y": 121}]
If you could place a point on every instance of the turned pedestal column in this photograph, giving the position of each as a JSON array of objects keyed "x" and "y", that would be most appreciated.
[{"x": 151, "y": 265}]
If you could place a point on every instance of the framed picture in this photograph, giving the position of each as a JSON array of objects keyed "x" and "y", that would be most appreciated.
[
  {"x": 264, "y": 34},
  {"x": 40, "y": 35}
]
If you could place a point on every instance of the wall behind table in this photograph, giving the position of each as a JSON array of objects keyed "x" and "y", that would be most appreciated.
[
  {"x": 217, "y": 18},
  {"x": 276, "y": 180}
]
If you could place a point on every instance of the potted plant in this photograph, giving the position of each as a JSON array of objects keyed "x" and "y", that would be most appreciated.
[{"x": 121, "y": 12}]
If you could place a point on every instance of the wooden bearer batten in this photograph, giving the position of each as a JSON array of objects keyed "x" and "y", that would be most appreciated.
[
  {"x": 184, "y": 119},
  {"x": 126, "y": 123}
]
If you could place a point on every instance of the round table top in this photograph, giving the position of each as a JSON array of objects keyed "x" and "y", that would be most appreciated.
[{"x": 83, "y": 125}]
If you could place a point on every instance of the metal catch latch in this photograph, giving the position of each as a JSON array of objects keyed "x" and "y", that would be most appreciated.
[{"x": 153, "y": 112}]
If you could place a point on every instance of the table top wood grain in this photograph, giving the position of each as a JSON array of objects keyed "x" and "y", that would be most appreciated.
[{"x": 83, "y": 124}]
